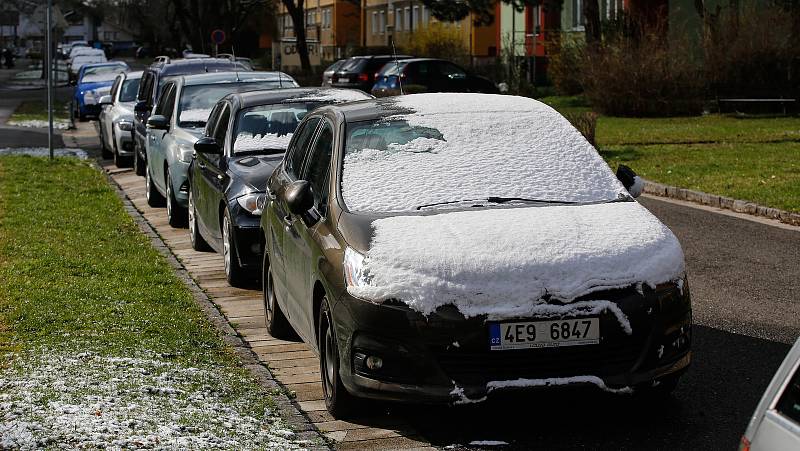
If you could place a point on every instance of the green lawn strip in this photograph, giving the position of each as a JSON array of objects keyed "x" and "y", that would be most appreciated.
[
  {"x": 700, "y": 129},
  {"x": 764, "y": 173},
  {"x": 76, "y": 273},
  {"x": 567, "y": 104},
  {"x": 31, "y": 110}
]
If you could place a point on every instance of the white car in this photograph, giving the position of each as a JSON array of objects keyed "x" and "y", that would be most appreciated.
[
  {"x": 116, "y": 118},
  {"x": 81, "y": 60},
  {"x": 775, "y": 425}
]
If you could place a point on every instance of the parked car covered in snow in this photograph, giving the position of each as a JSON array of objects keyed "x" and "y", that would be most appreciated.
[
  {"x": 94, "y": 81},
  {"x": 442, "y": 247},
  {"x": 77, "y": 62},
  {"x": 775, "y": 424},
  {"x": 243, "y": 142},
  {"x": 116, "y": 118},
  {"x": 178, "y": 120}
]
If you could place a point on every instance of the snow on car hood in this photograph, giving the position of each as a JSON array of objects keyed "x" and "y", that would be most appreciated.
[{"x": 501, "y": 262}]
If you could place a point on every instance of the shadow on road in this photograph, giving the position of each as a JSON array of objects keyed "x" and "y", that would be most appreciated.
[{"x": 709, "y": 409}]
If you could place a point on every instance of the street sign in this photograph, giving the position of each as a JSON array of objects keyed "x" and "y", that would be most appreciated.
[{"x": 218, "y": 36}]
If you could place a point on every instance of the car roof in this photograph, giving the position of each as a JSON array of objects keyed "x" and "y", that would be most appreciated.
[
  {"x": 192, "y": 66},
  {"x": 134, "y": 75},
  {"x": 233, "y": 76},
  {"x": 107, "y": 63},
  {"x": 266, "y": 97}
]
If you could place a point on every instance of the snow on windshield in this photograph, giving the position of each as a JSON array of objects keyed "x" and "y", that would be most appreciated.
[
  {"x": 247, "y": 142},
  {"x": 501, "y": 262},
  {"x": 470, "y": 146},
  {"x": 195, "y": 115}
]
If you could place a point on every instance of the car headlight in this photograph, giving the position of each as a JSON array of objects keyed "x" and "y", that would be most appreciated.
[
  {"x": 125, "y": 126},
  {"x": 89, "y": 98},
  {"x": 185, "y": 153},
  {"x": 250, "y": 202},
  {"x": 354, "y": 273}
]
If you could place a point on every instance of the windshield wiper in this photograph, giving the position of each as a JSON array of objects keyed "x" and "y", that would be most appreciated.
[{"x": 495, "y": 200}]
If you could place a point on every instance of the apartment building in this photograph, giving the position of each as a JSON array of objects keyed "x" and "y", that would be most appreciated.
[{"x": 332, "y": 26}]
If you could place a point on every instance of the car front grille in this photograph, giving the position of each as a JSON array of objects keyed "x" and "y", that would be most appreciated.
[{"x": 480, "y": 367}]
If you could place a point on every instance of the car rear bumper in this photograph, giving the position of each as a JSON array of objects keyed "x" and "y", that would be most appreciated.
[{"x": 445, "y": 358}]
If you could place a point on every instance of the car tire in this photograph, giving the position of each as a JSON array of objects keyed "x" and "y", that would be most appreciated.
[
  {"x": 138, "y": 162},
  {"x": 176, "y": 214},
  {"x": 277, "y": 324},
  {"x": 104, "y": 150},
  {"x": 237, "y": 275},
  {"x": 154, "y": 198},
  {"x": 338, "y": 400},
  {"x": 198, "y": 242},
  {"x": 119, "y": 160}
]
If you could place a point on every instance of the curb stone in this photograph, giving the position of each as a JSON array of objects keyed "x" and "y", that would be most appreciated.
[
  {"x": 725, "y": 203},
  {"x": 290, "y": 413}
]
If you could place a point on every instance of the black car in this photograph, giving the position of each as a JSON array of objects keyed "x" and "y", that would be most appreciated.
[
  {"x": 150, "y": 86},
  {"x": 358, "y": 72},
  {"x": 429, "y": 248},
  {"x": 428, "y": 75},
  {"x": 245, "y": 138}
]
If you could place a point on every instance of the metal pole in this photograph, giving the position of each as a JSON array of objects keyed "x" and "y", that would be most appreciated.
[{"x": 49, "y": 62}]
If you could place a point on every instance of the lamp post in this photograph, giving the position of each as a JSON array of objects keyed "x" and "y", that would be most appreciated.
[{"x": 50, "y": 72}]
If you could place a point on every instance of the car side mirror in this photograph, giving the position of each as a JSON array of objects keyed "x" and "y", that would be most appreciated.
[
  {"x": 207, "y": 145},
  {"x": 157, "y": 122},
  {"x": 298, "y": 197},
  {"x": 141, "y": 107},
  {"x": 632, "y": 182},
  {"x": 105, "y": 100}
]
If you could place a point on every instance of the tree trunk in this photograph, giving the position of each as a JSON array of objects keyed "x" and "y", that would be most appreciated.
[
  {"x": 591, "y": 16},
  {"x": 297, "y": 13}
]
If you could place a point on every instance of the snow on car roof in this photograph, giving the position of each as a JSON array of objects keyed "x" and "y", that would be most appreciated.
[
  {"x": 491, "y": 145},
  {"x": 502, "y": 262},
  {"x": 331, "y": 95}
]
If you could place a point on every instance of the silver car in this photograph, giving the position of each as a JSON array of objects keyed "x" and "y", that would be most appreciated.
[
  {"x": 178, "y": 120},
  {"x": 775, "y": 425},
  {"x": 116, "y": 118}
]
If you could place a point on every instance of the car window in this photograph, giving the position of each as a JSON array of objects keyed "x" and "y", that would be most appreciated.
[
  {"x": 299, "y": 146},
  {"x": 144, "y": 88},
  {"x": 316, "y": 170},
  {"x": 166, "y": 102},
  {"x": 212, "y": 119},
  {"x": 196, "y": 101},
  {"x": 450, "y": 70},
  {"x": 353, "y": 65},
  {"x": 789, "y": 403},
  {"x": 222, "y": 125},
  {"x": 129, "y": 89},
  {"x": 269, "y": 128},
  {"x": 115, "y": 87}
]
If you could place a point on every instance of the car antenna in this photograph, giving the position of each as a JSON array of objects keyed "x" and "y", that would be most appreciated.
[
  {"x": 233, "y": 60},
  {"x": 397, "y": 66}
]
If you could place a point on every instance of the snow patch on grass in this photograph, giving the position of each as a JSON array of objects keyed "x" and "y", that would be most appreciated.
[
  {"x": 44, "y": 152},
  {"x": 58, "y": 124},
  {"x": 52, "y": 398}
]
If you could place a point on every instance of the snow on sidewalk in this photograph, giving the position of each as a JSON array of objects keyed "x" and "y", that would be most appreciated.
[
  {"x": 44, "y": 152},
  {"x": 87, "y": 400}
]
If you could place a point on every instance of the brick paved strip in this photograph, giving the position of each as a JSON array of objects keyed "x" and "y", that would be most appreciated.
[{"x": 293, "y": 366}]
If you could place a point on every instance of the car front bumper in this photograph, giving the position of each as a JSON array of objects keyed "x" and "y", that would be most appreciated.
[
  {"x": 445, "y": 358},
  {"x": 247, "y": 237},
  {"x": 179, "y": 172},
  {"x": 124, "y": 141}
]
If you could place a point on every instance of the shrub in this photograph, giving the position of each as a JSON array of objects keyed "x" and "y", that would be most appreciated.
[
  {"x": 437, "y": 41},
  {"x": 564, "y": 70},
  {"x": 585, "y": 122}
]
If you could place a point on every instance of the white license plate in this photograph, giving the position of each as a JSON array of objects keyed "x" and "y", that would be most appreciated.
[
  {"x": 344, "y": 80},
  {"x": 544, "y": 334}
]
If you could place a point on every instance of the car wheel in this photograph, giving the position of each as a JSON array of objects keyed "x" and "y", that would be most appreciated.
[
  {"x": 154, "y": 198},
  {"x": 277, "y": 325},
  {"x": 119, "y": 160},
  {"x": 138, "y": 162},
  {"x": 197, "y": 240},
  {"x": 338, "y": 400},
  {"x": 236, "y": 275},
  {"x": 104, "y": 150},
  {"x": 175, "y": 213}
]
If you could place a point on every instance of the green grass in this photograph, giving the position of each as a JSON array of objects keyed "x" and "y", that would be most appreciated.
[
  {"x": 765, "y": 173},
  {"x": 37, "y": 110},
  {"x": 74, "y": 267}
]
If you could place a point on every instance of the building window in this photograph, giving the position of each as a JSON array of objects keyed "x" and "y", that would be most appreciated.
[
  {"x": 382, "y": 21},
  {"x": 407, "y": 18},
  {"x": 577, "y": 14},
  {"x": 417, "y": 19},
  {"x": 426, "y": 15},
  {"x": 613, "y": 8},
  {"x": 374, "y": 22},
  {"x": 398, "y": 19},
  {"x": 287, "y": 22}
]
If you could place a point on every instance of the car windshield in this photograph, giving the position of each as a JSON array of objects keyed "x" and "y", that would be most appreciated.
[
  {"x": 268, "y": 128},
  {"x": 198, "y": 100},
  {"x": 129, "y": 90},
  {"x": 461, "y": 158},
  {"x": 353, "y": 65},
  {"x": 392, "y": 68},
  {"x": 104, "y": 70}
]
